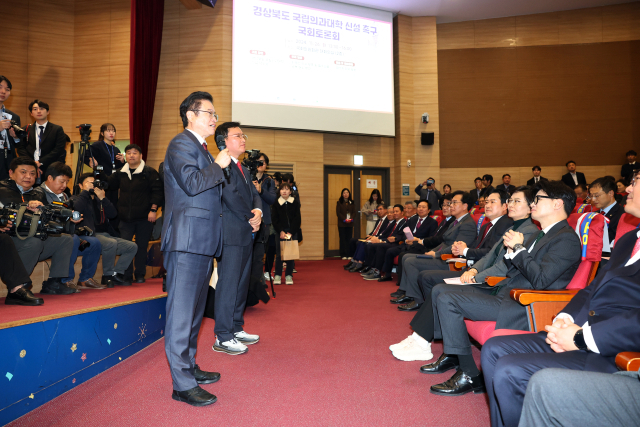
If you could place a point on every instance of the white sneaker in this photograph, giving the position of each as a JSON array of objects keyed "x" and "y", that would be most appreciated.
[
  {"x": 245, "y": 338},
  {"x": 402, "y": 343},
  {"x": 289, "y": 280},
  {"x": 277, "y": 280},
  {"x": 413, "y": 352},
  {"x": 266, "y": 276},
  {"x": 344, "y": 257},
  {"x": 232, "y": 347}
]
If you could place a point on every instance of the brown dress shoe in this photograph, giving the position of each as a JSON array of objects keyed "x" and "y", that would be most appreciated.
[
  {"x": 90, "y": 284},
  {"x": 72, "y": 285}
]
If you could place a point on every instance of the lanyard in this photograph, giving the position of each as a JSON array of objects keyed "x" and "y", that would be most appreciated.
[{"x": 111, "y": 151}]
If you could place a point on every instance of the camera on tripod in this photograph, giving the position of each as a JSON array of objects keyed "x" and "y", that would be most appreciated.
[
  {"x": 252, "y": 163},
  {"x": 85, "y": 132},
  {"x": 52, "y": 220}
]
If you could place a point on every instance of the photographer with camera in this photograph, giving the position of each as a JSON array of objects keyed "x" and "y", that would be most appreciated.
[
  {"x": 8, "y": 136},
  {"x": 428, "y": 191},
  {"x": 56, "y": 178},
  {"x": 141, "y": 192},
  {"x": 96, "y": 209},
  {"x": 19, "y": 189}
]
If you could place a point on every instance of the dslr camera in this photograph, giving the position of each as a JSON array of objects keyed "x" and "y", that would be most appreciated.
[
  {"x": 100, "y": 179},
  {"x": 52, "y": 220},
  {"x": 252, "y": 163}
]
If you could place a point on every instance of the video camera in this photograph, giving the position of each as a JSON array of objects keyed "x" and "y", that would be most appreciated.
[
  {"x": 52, "y": 220},
  {"x": 100, "y": 179},
  {"x": 252, "y": 163}
]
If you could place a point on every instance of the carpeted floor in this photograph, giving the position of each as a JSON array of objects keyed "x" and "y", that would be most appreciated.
[{"x": 323, "y": 360}]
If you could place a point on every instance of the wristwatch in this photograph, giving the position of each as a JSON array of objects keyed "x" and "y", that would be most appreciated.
[
  {"x": 578, "y": 340},
  {"x": 517, "y": 247}
]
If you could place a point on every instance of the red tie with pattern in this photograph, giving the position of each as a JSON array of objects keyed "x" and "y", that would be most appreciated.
[
  {"x": 241, "y": 171},
  {"x": 375, "y": 232},
  {"x": 204, "y": 145},
  {"x": 486, "y": 231},
  {"x": 418, "y": 225},
  {"x": 636, "y": 248}
]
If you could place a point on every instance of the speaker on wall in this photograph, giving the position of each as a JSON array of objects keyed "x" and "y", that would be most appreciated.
[{"x": 427, "y": 138}]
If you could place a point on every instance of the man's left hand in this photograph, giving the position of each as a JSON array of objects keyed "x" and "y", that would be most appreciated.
[
  {"x": 560, "y": 335},
  {"x": 12, "y": 132},
  {"x": 391, "y": 239},
  {"x": 152, "y": 216},
  {"x": 431, "y": 253},
  {"x": 257, "y": 218}
]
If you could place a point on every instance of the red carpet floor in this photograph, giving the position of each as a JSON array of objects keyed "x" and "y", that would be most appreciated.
[
  {"x": 55, "y": 304},
  {"x": 323, "y": 360}
]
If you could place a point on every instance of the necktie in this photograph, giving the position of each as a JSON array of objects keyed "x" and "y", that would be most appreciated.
[
  {"x": 393, "y": 229},
  {"x": 241, "y": 171},
  {"x": 486, "y": 231},
  {"x": 454, "y": 223},
  {"x": 537, "y": 180},
  {"x": 375, "y": 232},
  {"x": 204, "y": 145},
  {"x": 636, "y": 248},
  {"x": 540, "y": 236},
  {"x": 418, "y": 225},
  {"x": 36, "y": 155}
]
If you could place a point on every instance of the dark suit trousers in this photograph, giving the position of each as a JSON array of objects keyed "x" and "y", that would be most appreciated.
[
  {"x": 12, "y": 271},
  {"x": 380, "y": 251},
  {"x": 234, "y": 268},
  {"x": 426, "y": 267},
  {"x": 345, "y": 233},
  {"x": 509, "y": 361},
  {"x": 413, "y": 249},
  {"x": 389, "y": 256},
  {"x": 187, "y": 285},
  {"x": 142, "y": 230},
  {"x": 370, "y": 253},
  {"x": 353, "y": 242}
]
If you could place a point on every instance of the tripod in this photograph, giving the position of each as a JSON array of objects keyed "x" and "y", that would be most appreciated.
[{"x": 85, "y": 139}]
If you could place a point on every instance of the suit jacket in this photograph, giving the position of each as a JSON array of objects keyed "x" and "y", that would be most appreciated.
[
  {"x": 611, "y": 303},
  {"x": 626, "y": 170},
  {"x": 614, "y": 215},
  {"x": 479, "y": 248},
  {"x": 486, "y": 191},
  {"x": 268, "y": 196},
  {"x": 464, "y": 231},
  {"x": 568, "y": 179},
  {"x": 239, "y": 197},
  {"x": 475, "y": 196},
  {"x": 531, "y": 181},
  {"x": 427, "y": 228},
  {"x": 193, "y": 191},
  {"x": 492, "y": 264},
  {"x": 510, "y": 188},
  {"x": 383, "y": 227},
  {"x": 550, "y": 265},
  {"x": 433, "y": 241},
  {"x": 432, "y": 196},
  {"x": 10, "y": 147},
  {"x": 397, "y": 231},
  {"x": 52, "y": 147}
]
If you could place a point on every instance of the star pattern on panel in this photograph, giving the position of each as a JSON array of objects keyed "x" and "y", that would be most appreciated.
[
  {"x": 74, "y": 347},
  {"x": 84, "y": 357},
  {"x": 31, "y": 396},
  {"x": 143, "y": 331}
]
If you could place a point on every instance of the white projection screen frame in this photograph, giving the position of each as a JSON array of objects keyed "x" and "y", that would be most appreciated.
[{"x": 313, "y": 65}]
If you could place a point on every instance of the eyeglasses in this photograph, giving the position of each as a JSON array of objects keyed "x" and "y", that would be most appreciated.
[
  {"x": 492, "y": 202},
  {"x": 597, "y": 196},
  {"x": 446, "y": 205},
  {"x": 239, "y": 135},
  {"x": 515, "y": 202},
  {"x": 633, "y": 182},
  {"x": 211, "y": 113},
  {"x": 455, "y": 202},
  {"x": 537, "y": 199}
]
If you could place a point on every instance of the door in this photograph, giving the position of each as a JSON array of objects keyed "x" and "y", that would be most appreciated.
[{"x": 337, "y": 180}]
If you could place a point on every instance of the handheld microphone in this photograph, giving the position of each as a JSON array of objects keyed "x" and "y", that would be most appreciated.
[{"x": 221, "y": 146}]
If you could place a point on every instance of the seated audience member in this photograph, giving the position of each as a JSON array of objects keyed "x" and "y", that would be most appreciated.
[
  {"x": 104, "y": 152},
  {"x": 446, "y": 189},
  {"x": 573, "y": 178},
  {"x": 628, "y": 168},
  {"x": 600, "y": 321},
  {"x": 346, "y": 212},
  {"x": 621, "y": 186},
  {"x": 418, "y": 345},
  {"x": 477, "y": 191},
  {"x": 490, "y": 233},
  {"x": 506, "y": 184},
  {"x": 565, "y": 397},
  {"x": 479, "y": 209},
  {"x": 141, "y": 192},
  {"x": 603, "y": 193},
  {"x": 96, "y": 209},
  {"x": 536, "y": 176},
  {"x": 424, "y": 227},
  {"x": 286, "y": 218},
  {"x": 379, "y": 228},
  {"x": 546, "y": 261},
  {"x": 370, "y": 209},
  {"x": 395, "y": 216},
  {"x": 395, "y": 235},
  {"x": 8, "y": 137},
  {"x": 463, "y": 229},
  {"x": 421, "y": 245},
  {"x": 14, "y": 275},
  {"x": 582, "y": 192},
  {"x": 55, "y": 180},
  {"x": 427, "y": 191},
  {"x": 487, "y": 181},
  {"x": 19, "y": 189},
  {"x": 45, "y": 142}
]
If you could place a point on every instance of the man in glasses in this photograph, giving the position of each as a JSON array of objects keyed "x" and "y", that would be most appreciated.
[
  {"x": 603, "y": 192},
  {"x": 547, "y": 260}
]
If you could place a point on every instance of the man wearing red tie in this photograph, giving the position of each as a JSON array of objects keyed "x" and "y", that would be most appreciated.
[{"x": 241, "y": 217}]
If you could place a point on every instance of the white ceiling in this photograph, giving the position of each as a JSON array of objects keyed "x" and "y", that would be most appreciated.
[{"x": 471, "y": 10}]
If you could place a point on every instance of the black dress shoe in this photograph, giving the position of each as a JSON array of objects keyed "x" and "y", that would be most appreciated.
[
  {"x": 444, "y": 363},
  {"x": 357, "y": 267},
  {"x": 397, "y": 294},
  {"x": 459, "y": 384},
  {"x": 194, "y": 397},
  {"x": 401, "y": 300},
  {"x": 412, "y": 306},
  {"x": 365, "y": 270},
  {"x": 204, "y": 377},
  {"x": 385, "y": 279},
  {"x": 140, "y": 280},
  {"x": 348, "y": 265},
  {"x": 22, "y": 297}
]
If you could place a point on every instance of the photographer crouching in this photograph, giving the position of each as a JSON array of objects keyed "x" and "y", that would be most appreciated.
[
  {"x": 19, "y": 189},
  {"x": 55, "y": 180},
  {"x": 96, "y": 210}
]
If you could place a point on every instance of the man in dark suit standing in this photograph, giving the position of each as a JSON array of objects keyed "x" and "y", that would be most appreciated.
[
  {"x": 487, "y": 183},
  {"x": 8, "y": 137},
  {"x": 506, "y": 184},
  {"x": 477, "y": 191},
  {"x": 573, "y": 178},
  {"x": 191, "y": 237},
  {"x": 547, "y": 260},
  {"x": 536, "y": 176},
  {"x": 626, "y": 171},
  {"x": 45, "y": 141},
  {"x": 241, "y": 217},
  {"x": 600, "y": 321}
]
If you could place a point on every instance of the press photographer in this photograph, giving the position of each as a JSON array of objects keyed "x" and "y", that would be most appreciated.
[
  {"x": 19, "y": 189},
  {"x": 55, "y": 181},
  {"x": 8, "y": 136},
  {"x": 96, "y": 209}
]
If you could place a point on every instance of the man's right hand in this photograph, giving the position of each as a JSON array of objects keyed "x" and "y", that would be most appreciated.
[
  {"x": 5, "y": 124},
  {"x": 99, "y": 193},
  {"x": 7, "y": 228},
  {"x": 33, "y": 205},
  {"x": 223, "y": 159}
]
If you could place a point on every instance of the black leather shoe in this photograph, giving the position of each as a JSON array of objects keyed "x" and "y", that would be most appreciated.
[
  {"x": 412, "y": 306},
  {"x": 365, "y": 270},
  {"x": 385, "y": 279},
  {"x": 401, "y": 300},
  {"x": 443, "y": 364},
  {"x": 204, "y": 377},
  {"x": 397, "y": 294},
  {"x": 194, "y": 397},
  {"x": 459, "y": 384},
  {"x": 348, "y": 265},
  {"x": 22, "y": 297},
  {"x": 357, "y": 267},
  {"x": 140, "y": 280},
  {"x": 55, "y": 286}
]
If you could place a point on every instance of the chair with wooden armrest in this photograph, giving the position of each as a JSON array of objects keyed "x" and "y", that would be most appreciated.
[
  {"x": 453, "y": 266},
  {"x": 628, "y": 361}
]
